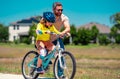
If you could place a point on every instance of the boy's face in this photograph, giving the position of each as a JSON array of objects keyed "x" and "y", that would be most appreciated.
[{"x": 49, "y": 23}]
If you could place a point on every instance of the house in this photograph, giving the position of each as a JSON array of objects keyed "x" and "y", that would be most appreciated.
[
  {"x": 103, "y": 29},
  {"x": 20, "y": 29}
]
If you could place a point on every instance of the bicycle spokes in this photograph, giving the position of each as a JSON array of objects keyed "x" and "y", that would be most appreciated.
[
  {"x": 67, "y": 67},
  {"x": 28, "y": 66}
]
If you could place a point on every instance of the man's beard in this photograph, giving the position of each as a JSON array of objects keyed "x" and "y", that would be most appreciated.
[{"x": 58, "y": 14}]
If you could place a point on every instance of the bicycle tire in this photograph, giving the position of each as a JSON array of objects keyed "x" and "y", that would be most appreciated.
[
  {"x": 26, "y": 72},
  {"x": 70, "y": 64}
]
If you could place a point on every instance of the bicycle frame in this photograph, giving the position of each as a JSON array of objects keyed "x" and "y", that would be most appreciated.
[{"x": 45, "y": 61}]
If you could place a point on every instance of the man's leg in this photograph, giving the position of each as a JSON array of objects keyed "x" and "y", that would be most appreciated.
[{"x": 61, "y": 43}]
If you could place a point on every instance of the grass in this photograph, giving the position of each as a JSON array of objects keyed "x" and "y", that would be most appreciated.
[{"x": 93, "y": 61}]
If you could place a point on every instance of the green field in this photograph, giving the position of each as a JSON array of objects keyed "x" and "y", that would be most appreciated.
[{"x": 93, "y": 61}]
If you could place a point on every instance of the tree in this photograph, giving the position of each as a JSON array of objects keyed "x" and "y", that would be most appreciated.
[
  {"x": 3, "y": 33},
  {"x": 117, "y": 39},
  {"x": 32, "y": 30},
  {"x": 113, "y": 32},
  {"x": 74, "y": 34},
  {"x": 73, "y": 30},
  {"x": 103, "y": 40},
  {"x": 115, "y": 35},
  {"x": 84, "y": 36},
  {"x": 94, "y": 33},
  {"x": 115, "y": 19}
]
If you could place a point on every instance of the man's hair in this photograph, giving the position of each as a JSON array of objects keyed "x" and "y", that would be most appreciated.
[{"x": 56, "y": 4}]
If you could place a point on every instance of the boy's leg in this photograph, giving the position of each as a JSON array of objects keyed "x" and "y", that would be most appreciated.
[
  {"x": 49, "y": 45},
  {"x": 40, "y": 47},
  {"x": 39, "y": 63}
]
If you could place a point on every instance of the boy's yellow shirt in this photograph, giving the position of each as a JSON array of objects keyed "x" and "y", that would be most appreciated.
[{"x": 44, "y": 36}]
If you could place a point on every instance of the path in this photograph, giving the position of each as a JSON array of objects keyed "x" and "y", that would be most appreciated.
[
  {"x": 13, "y": 76},
  {"x": 10, "y": 76}
]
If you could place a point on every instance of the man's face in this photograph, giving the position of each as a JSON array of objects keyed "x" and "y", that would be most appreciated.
[{"x": 58, "y": 10}]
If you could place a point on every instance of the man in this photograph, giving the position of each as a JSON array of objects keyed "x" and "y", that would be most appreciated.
[{"x": 61, "y": 21}]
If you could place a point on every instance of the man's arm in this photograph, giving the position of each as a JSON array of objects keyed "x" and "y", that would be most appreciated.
[{"x": 66, "y": 27}]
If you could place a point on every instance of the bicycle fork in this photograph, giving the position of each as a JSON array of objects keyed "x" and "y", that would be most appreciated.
[{"x": 61, "y": 60}]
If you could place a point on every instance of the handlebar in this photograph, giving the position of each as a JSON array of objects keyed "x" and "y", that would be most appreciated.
[
  {"x": 65, "y": 35},
  {"x": 53, "y": 33}
]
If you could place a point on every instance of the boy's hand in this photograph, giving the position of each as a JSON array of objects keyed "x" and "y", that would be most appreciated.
[
  {"x": 39, "y": 32},
  {"x": 47, "y": 32}
]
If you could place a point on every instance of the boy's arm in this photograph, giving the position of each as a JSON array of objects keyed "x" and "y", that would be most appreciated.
[
  {"x": 39, "y": 30},
  {"x": 55, "y": 30}
]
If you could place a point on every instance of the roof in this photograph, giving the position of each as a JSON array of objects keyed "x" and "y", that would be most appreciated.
[
  {"x": 27, "y": 21},
  {"x": 101, "y": 27}
]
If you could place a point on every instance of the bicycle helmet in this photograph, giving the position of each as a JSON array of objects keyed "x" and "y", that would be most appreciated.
[{"x": 49, "y": 16}]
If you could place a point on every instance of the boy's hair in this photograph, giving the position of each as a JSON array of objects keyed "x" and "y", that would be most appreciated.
[
  {"x": 42, "y": 21},
  {"x": 56, "y": 4}
]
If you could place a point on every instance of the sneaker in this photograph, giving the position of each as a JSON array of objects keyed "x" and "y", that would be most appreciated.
[{"x": 40, "y": 70}]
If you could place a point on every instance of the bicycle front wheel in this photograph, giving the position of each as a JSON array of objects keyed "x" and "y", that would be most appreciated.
[
  {"x": 28, "y": 67},
  {"x": 69, "y": 64}
]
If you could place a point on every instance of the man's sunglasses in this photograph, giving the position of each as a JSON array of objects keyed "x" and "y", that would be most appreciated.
[{"x": 60, "y": 10}]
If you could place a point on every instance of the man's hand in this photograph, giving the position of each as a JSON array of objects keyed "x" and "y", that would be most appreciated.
[
  {"x": 62, "y": 34},
  {"x": 68, "y": 34}
]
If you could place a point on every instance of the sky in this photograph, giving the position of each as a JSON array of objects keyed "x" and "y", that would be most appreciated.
[{"x": 80, "y": 12}]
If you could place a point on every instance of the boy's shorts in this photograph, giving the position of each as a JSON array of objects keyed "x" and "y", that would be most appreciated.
[{"x": 42, "y": 44}]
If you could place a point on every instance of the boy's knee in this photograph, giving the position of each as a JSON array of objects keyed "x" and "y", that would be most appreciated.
[{"x": 43, "y": 53}]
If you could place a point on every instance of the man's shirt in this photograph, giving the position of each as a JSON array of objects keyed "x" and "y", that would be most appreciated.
[{"x": 60, "y": 22}]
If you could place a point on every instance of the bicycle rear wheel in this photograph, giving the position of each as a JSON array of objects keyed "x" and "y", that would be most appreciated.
[
  {"x": 28, "y": 65},
  {"x": 69, "y": 64}
]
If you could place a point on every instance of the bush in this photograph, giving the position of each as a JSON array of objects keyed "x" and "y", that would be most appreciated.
[
  {"x": 16, "y": 41},
  {"x": 75, "y": 40},
  {"x": 66, "y": 41},
  {"x": 117, "y": 39},
  {"x": 103, "y": 40},
  {"x": 84, "y": 36},
  {"x": 26, "y": 40}
]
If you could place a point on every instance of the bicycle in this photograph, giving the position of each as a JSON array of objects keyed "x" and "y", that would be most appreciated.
[{"x": 64, "y": 58}]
